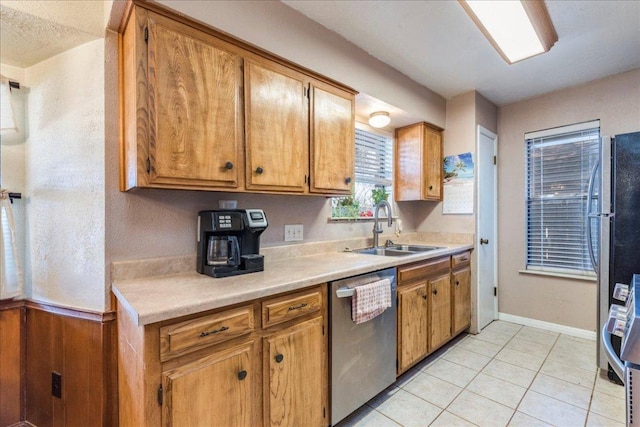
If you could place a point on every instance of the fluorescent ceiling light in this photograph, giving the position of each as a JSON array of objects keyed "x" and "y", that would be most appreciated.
[
  {"x": 517, "y": 29},
  {"x": 379, "y": 119}
]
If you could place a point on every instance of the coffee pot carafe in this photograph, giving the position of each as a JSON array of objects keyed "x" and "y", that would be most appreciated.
[{"x": 223, "y": 251}]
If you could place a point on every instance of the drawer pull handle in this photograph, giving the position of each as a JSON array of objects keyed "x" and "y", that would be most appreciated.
[
  {"x": 259, "y": 170},
  {"x": 279, "y": 358},
  {"x": 297, "y": 307},
  {"x": 215, "y": 331},
  {"x": 242, "y": 375},
  {"x": 228, "y": 165}
]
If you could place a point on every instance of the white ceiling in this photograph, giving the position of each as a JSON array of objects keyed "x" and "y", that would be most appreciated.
[{"x": 436, "y": 44}]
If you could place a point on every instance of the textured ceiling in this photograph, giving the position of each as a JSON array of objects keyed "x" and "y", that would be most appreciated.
[
  {"x": 436, "y": 44},
  {"x": 32, "y": 31}
]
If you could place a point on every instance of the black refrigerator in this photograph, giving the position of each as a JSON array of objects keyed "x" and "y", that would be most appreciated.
[{"x": 615, "y": 225}]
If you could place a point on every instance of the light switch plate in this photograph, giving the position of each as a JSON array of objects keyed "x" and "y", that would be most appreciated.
[{"x": 293, "y": 232}]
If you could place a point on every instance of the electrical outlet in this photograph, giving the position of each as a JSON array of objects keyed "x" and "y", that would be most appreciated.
[
  {"x": 56, "y": 385},
  {"x": 293, "y": 232}
]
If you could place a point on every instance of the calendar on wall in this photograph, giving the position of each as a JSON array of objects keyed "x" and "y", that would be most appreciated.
[{"x": 458, "y": 184}]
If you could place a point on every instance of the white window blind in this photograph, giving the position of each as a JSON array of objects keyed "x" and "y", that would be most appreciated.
[
  {"x": 373, "y": 159},
  {"x": 559, "y": 165}
]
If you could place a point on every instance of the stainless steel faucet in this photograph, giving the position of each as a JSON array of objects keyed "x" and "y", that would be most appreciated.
[{"x": 377, "y": 227}]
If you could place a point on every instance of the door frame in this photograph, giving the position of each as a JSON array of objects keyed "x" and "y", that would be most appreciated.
[{"x": 494, "y": 237}]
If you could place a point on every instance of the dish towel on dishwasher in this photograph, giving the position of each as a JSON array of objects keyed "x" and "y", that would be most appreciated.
[{"x": 370, "y": 300}]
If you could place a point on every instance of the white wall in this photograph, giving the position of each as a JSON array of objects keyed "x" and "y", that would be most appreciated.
[
  {"x": 616, "y": 102},
  {"x": 65, "y": 174}
]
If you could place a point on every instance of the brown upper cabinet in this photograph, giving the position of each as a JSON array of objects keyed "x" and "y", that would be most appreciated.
[
  {"x": 204, "y": 111},
  {"x": 418, "y": 163}
]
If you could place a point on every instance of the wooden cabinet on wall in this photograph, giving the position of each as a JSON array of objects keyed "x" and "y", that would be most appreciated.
[
  {"x": 204, "y": 111},
  {"x": 224, "y": 368},
  {"x": 461, "y": 285},
  {"x": 418, "y": 163},
  {"x": 432, "y": 308}
]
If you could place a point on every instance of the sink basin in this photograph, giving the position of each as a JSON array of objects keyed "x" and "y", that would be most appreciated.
[
  {"x": 383, "y": 251},
  {"x": 415, "y": 248}
]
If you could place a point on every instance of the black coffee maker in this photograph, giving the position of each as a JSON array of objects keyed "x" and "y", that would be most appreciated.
[{"x": 229, "y": 241}]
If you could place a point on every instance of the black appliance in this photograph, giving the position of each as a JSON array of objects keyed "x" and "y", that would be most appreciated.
[
  {"x": 615, "y": 221},
  {"x": 229, "y": 242}
]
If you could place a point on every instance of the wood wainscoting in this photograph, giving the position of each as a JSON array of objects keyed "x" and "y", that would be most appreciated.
[
  {"x": 12, "y": 352},
  {"x": 79, "y": 346}
]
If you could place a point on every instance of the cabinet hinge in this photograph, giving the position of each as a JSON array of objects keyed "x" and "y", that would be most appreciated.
[
  {"x": 495, "y": 160},
  {"x": 322, "y": 330},
  {"x": 160, "y": 395},
  {"x": 495, "y": 291},
  {"x": 305, "y": 92},
  {"x": 397, "y": 364},
  {"x": 324, "y": 412},
  {"x": 146, "y": 34},
  {"x": 148, "y": 165}
]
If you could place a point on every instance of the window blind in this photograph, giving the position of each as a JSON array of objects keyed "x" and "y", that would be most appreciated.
[
  {"x": 559, "y": 165},
  {"x": 373, "y": 162}
]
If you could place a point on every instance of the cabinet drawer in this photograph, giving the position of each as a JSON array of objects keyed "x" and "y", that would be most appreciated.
[
  {"x": 289, "y": 307},
  {"x": 195, "y": 334},
  {"x": 459, "y": 260},
  {"x": 422, "y": 269}
]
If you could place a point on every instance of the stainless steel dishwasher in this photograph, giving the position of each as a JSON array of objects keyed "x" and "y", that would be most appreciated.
[{"x": 363, "y": 356}]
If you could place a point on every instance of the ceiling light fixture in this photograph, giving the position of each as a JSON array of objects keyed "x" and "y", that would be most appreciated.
[
  {"x": 379, "y": 119},
  {"x": 517, "y": 29}
]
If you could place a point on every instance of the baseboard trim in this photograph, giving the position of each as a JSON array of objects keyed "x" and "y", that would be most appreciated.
[{"x": 554, "y": 327}]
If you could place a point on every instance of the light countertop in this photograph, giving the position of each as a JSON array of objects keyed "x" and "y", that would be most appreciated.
[{"x": 170, "y": 295}]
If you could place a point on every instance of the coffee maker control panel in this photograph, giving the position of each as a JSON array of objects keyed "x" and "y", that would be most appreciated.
[
  {"x": 227, "y": 221},
  {"x": 256, "y": 218}
]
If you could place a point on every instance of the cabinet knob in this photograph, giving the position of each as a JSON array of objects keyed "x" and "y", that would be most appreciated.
[
  {"x": 431, "y": 187},
  {"x": 424, "y": 296},
  {"x": 242, "y": 375},
  {"x": 484, "y": 241},
  {"x": 347, "y": 180},
  {"x": 228, "y": 165},
  {"x": 457, "y": 283},
  {"x": 435, "y": 292},
  {"x": 259, "y": 170},
  {"x": 279, "y": 358}
]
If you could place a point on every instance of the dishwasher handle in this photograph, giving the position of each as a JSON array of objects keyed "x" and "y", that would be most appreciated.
[{"x": 345, "y": 292}]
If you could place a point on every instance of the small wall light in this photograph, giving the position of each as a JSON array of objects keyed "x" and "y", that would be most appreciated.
[{"x": 379, "y": 119}]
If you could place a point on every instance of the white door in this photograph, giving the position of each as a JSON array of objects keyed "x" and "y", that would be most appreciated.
[{"x": 486, "y": 243}]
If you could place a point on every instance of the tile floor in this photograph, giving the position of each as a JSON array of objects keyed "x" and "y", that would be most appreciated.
[{"x": 508, "y": 375}]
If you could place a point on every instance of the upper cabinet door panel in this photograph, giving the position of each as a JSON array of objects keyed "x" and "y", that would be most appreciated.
[
  {"x": 332, "y": 140},
  {"x": 432, "y": 164},
  {"x": 277, "y": 131},
  {"x": 408, "y": 170},
  {"x": 195, "y": 134}
]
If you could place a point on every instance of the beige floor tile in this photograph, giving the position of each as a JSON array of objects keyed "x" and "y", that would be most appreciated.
[
  {"x": 405, "y": 378},
  {"x": 608, "y": 406},
  {"x": 551, "y": 410},
  {"x": 466, "y": 358},
  {"x": 519, "y": 358},
  {"x": 595, "y": 420},
  {"x": 451, "y": 372},
  {"x": 447, "y": 419},
  {"x": 502, "y": 327},
  {"x": 510, "y": 373},
  {"x": 367, "y": 417},
  {"x": 481, "y": 347},
  {"x": 562, "y": 390},
  {"x": 606, "y": 386},
  {"x": 480, "y": 410},
  {"x": 383, "y": 396},
  {"x": 493, "y": 337},
  {"x": 529, "y": 347},
  {"x": 409, "y": 410},
  {"x": 577, "y": 340},
  {"x": 539, "y": 336},
  {"x": 497, "y": 390},
  {"x": 433, "y": 390},
  {"x": 523, "y": 420},
  {"x": 568, "y": 373},
  {"x": 574, "y": 357}
]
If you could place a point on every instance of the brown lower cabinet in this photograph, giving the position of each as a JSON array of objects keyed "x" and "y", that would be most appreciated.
[
  {"x": 263, "y": 362},
  {"x": 434, "y": 305}
]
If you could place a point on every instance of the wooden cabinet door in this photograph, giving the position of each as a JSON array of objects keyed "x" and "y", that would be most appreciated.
[
  {"x": 418, "y": 163},
  {"x": 332, "y": 140},
  {"x": 276, "y": 127},
  {"x": 432, "y": 164},
  {"x": 412, "y": 324},
  {"x": 295, "y": 376},
  {"x": 439, "y": 310},
  {"x": 461, "y": 299},
  {"x": 195, "y": 127},
  {"x": 218, "y": 390}
]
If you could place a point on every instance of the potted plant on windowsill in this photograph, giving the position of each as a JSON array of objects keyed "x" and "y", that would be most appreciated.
[
  {"x": 379, "y": 194},
  {"x": 348, "y": 207}
]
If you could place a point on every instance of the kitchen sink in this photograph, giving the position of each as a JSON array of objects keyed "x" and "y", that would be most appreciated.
[
  {"x": 382, "y": 251},
  {"x": 415, "y": 248}
]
